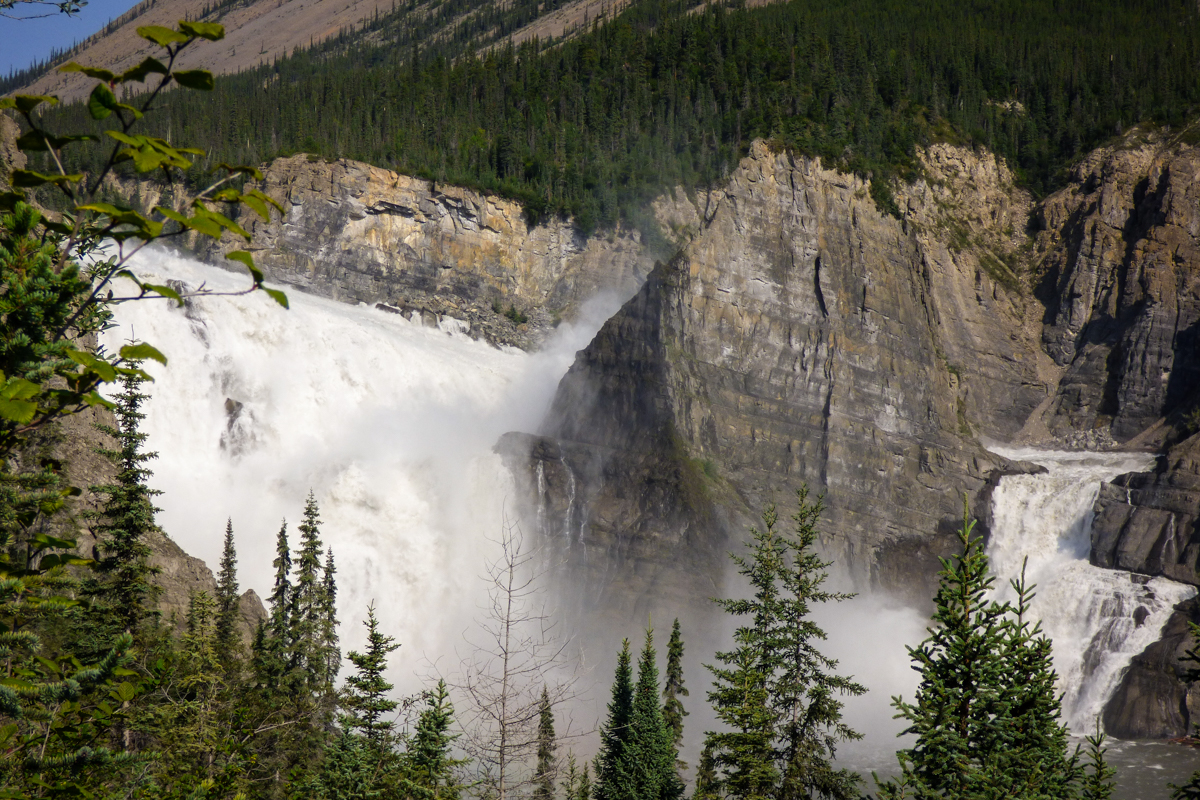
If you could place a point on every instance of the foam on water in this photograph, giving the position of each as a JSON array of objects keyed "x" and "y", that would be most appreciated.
[{"x": 1099, "y": 619}]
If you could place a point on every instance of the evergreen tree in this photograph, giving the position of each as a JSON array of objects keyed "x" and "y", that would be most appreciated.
[
  {"x": 986, "y": 714},
  {"x": 1098, "y": 783},
  {"x": 331, "y": 654},
  {"x": 776, "y": 692},
  {"x": 307, "y": 601},
  {"x": 647, "y": 764},
  {"x": 126, "y": 515},
  {"x": 706, "y": 776},
  {"x": 584, "y": 790},
  {"x": 228, "y": 610},
  {"x": 673, "y": 689},
  {"x": 365, "y": 696},
  {"x": 428, "y": 766},
  {"x": 281, "y": 592},
  {"x": 1191, "y": 674},
  {"x": 615, "y": 731},
  {"x": 543, "y": 781}
]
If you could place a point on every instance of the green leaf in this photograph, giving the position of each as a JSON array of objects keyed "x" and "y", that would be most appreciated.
[
  {"x": 142, "y": 351},
  {"x": 95, "y": 399},
  {"x": 126, "y": 692},
  {"x": 27, "y": 102},
  {"x": 254, "y": 172},
  {"x": 255, "y": 193},
  {"x": 205, "y": 30},
  {"x": 91, "y": 72},
  {"x": 27, "y": 179},
  {"x": 161, "y": 36},
  {"x": 36, "y": 141},
  {"x": 101, "y": 102},
  {"x": 104, "y": 370},
  {"x": 19, "y": 389},
  {"x": 45, "y": 540},
  {"x": 200, "y": 79},
  {"x": 102, "y": 208},
  {"x": 165, "y": 291},
  {"x": 258, "y": 206},
  {"x": 277, "y": 296},
  {"x": 247, "y": 259},
  {"x": 139, "y": 73},
  {"x": 18, "y": 411}
]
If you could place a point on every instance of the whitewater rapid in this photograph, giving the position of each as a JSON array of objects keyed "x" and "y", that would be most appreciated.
[
  {"x": 1098, "y": 619},
  {"x": 389, "y": 423}
]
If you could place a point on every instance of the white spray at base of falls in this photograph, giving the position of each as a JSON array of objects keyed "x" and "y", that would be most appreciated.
[
  {"x": 391, "y": 424},
  {"x": 1098, "y": 619}
]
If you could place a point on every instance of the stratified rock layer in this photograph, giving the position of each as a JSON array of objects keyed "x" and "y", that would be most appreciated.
[{"x": 362, "y": 234}]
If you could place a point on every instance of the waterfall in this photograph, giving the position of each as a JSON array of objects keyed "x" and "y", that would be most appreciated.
[
  {"x": 1099, "y": 619},
  {"x": 390, "y": 423}
]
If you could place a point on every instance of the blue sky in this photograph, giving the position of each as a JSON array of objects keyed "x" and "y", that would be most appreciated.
[{"x": 24, "y": 41}]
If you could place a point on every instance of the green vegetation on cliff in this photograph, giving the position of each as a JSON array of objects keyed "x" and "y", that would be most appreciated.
[{"x": 666, "y": 94}]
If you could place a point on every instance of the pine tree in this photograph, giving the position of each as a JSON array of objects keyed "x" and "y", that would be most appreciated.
[
  {"x": 228, "y": 610},
  {"x": 365, "y": 696},
  {"x": 673, "y": 689},
  {"x": 126, "y": 516},
  {"x": 428, "y": 765},
  {"x": 615, "y": 731},
  {"x": 543, "y": 781},
  {"x": 986, "y": 714},
  {"x": 776, "y": 692}
]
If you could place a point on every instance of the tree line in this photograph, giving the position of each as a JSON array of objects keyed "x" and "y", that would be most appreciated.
[{"x": 666, "y": 95}]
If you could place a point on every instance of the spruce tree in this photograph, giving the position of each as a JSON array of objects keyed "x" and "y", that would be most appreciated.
[
  {"x": 1191, "y": 674},
  {"x": 615, "y": 731},
  {"x": 365, "y": 701},
  {"x": 1098, "y": 783},
  {"x": 673, "y": 689},
  {"x": 777, "y": 694},
  {"x": 647, "y": 764},
  {"x": 584, "y": 790},
  {"x": 126, "y": 516},
  {"x": 228, "y": 611},
  {"x": 706, "y": 776},
  {"x": 307, "y": 602},
  {"x": 281, "y": 591},
  {"x": 428, "y": 766},
  {"x": 330, "y": 653},
  {"x": 543, "y": 780},
  {"x": 986, "y": 714}
]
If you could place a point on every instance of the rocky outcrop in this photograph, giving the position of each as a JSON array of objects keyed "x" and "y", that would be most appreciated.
[
  {"x": 362, "y": 234},
  {"x": 10, "y": 157},
  {"x": 1154, "y": 701},
  {"x": 799, "y": 339},
  {"x": 1118, "y": 278}
]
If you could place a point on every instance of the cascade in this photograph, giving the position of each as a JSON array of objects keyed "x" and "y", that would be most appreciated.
[
  {"x": 1099, "y": 619},
  {"x": 390, "y": 423}
]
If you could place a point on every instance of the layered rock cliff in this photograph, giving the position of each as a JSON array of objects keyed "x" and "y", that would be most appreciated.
[{"x": 362, "y": 234}]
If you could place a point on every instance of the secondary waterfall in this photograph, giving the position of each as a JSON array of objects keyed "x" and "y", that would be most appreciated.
[
  {"x": 1099, "y": 619},
  {"x": 391, "y": 424}
]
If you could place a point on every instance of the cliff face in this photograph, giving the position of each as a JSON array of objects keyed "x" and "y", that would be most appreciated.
[
  {"x": 802, "y": 337},
  {"x": 362, "y": 234}
]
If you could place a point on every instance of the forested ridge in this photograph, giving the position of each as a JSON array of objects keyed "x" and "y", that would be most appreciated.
[{"x": 665, "y": 95}]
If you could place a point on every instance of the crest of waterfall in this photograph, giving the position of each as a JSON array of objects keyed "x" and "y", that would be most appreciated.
[
  {"x": 1098, "y": 619},
  {"x": 391, "y": 423}
]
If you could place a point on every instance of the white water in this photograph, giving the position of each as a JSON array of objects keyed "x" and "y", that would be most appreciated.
[
  {"x": 391, "y": 424},
  {"x": 1089, "y": 612}
]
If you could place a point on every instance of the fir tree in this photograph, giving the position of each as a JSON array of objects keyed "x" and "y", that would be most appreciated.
[
  {"x": 647, "y": 764},
  {"x": 543, "y": 781},
  {"x": 1191, "y": 674},
  {"x": 673, "y": 689},
  {"x": 331, "y": 654},
  {"x": 307, "y": 603},
  {"x": 615, "y": 731},
  {"x": 584, "y": 789},
  {"x": 365, "y": 696},
  {"x": 428, "y": 765},
  {"x": 776, "y": 693},
  {"x": 1098, "y": 783},
  {"x": 986, "y": 714},
  {"x": 706, "y": 776},
  {"x": 281, "y": 592},
  {"x": 127, "y": 513},
  {"x": 228, "y": 611}
]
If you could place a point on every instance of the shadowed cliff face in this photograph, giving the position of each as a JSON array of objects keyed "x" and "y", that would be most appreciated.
[{"x": 798, "y": 339}]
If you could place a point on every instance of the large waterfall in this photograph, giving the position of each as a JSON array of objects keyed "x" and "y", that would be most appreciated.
[
  {"x": 1099, "y": 619},
  {"x": 391, "y": 424}
]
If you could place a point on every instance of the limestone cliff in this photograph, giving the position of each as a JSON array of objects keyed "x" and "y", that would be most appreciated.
[
  {"x": 802, "y": 337},
  {"x": 362, "y": 234}
]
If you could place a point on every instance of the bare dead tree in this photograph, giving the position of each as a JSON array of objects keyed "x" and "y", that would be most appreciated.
[{"x": 512, "y": 654}]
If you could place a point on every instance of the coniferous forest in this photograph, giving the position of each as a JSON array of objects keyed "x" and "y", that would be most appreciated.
[
  {"x": 665, "y": 94},
  {"x": 101, "y": 696}
]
